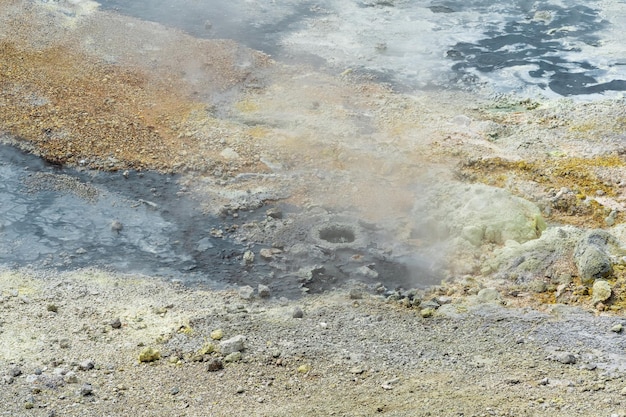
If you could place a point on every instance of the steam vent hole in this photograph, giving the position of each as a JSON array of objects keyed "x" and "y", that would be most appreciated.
[{"x": 337, "y": 234}]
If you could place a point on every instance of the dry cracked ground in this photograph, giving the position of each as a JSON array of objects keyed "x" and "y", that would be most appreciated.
[{"x": 101, "y": 91}]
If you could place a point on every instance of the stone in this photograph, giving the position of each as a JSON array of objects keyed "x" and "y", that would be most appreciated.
[
  {"x": 297, "y": 313},
  {"x": 246, "y": 292},
  {"x": 592, "y": 256},
  {"x": 303, "y": 369},
  {"x": 70, "y": 377},
  {"x": 264, "y": 291},
  {"x": 86, "y": 365},
  {"x": 565, "y": 358},
  {"x": 215, "y": 364},
  {"x": 232, "y": 357},
  {"x": 248, "y": 257},
  {"x": 217, "y": 334},
  {"x": 617, "y": 328},
  {"x": 116, "y": 226},
  {"x": 149, "y": 354},
  {"x": 427, "y": 312},
  {"x": 488, "y": 295},
  {"x": 274, "y": 213},
  {"x": 367, "y": 272},
  {"x": 355, "y": 294},
  {"x": 230, "y": 154},
  {"x": 85, "y": 390},
  {"x": 234, "y": 344},
  {"x": 530, "y": 261},
  {"x": 116, "y": 323},
  {"x": 601, "y": 291},
  {"x": 240, "y": 390}
]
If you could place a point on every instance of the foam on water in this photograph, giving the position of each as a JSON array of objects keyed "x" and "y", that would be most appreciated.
[{"x": 529, "y": 47}]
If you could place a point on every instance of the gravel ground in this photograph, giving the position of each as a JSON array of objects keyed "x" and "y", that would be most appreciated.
[{"x": 71, "y": 345}]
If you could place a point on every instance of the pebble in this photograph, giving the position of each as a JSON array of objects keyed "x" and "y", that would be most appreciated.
[
  {"x": 233, "y": 357},
  {"x": 234, "y": 344},
  {"x": 297, "y": 313},
  {"x": 356, "y": 294},
  {"x": 565, "y": 358},
  {"x": 174, "y": 391},
  {"x": 264, "y": 291},
  {"x": 246, "y": 292},
  {"x": 303, "y": 369},
  {"x": 116, "y": 323},
  {"x": 217, "y": 334},
  {"x": 215, "y": 364},
  {"x": 240, "y": 390},
  {"x": 70, "y": 378},
  {"x": 427, "y": 312},
  {"x": 86, "y": 390},
  {"x": 149, "y": 354},
  {"x": 248, "y": 257},
  {"x": 15, "y": 372},
  {"x": 617, "y": 328},
  {"x": 274, "y": 213},
  {"x": 116, "y": 226},
  {"x": 266, "y": 254},
  {"x": 86, "y": 365}
]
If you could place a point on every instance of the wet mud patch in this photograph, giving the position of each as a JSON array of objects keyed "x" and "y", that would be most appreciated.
[
  {"x": 146, "y": 222},
  {"x": 62, "y": 218}
]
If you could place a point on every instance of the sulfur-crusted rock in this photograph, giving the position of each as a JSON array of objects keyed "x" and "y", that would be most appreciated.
[{"x": 601, "y": 291}]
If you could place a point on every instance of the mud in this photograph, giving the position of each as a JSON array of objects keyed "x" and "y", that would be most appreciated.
[{"x": 146, "y": 222}]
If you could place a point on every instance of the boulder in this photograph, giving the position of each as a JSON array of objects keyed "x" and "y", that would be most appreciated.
[{"x": 592, "y": 256}]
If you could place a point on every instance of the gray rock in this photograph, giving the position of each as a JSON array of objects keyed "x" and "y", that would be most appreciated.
[
  {"x": 592, "y": 256},
  {"x": 86, "y": 390},
  {"x": 116, "y": 226},
  {"x": 70, "y": 377},
  {"x": 234, "y": 344},
  {"x": 617, "y": 328},
  {"x": 530, "y": 260},
  {"x": 86, "y": 365},
  {"x": 264, "y": 291},
  {"x": 297, "y": 313},
  {"x": 430, "y": 304},
  {"x": 565, "y": 358},
  {"x": 601, "y": 291},
  {"x": 355, "y": 294},
  {"x": 116, "y": 323},
  {"x": 246, "y": 292},
  {"x": 274, "y": 213},
  {"x": 488, "y": 295}
]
